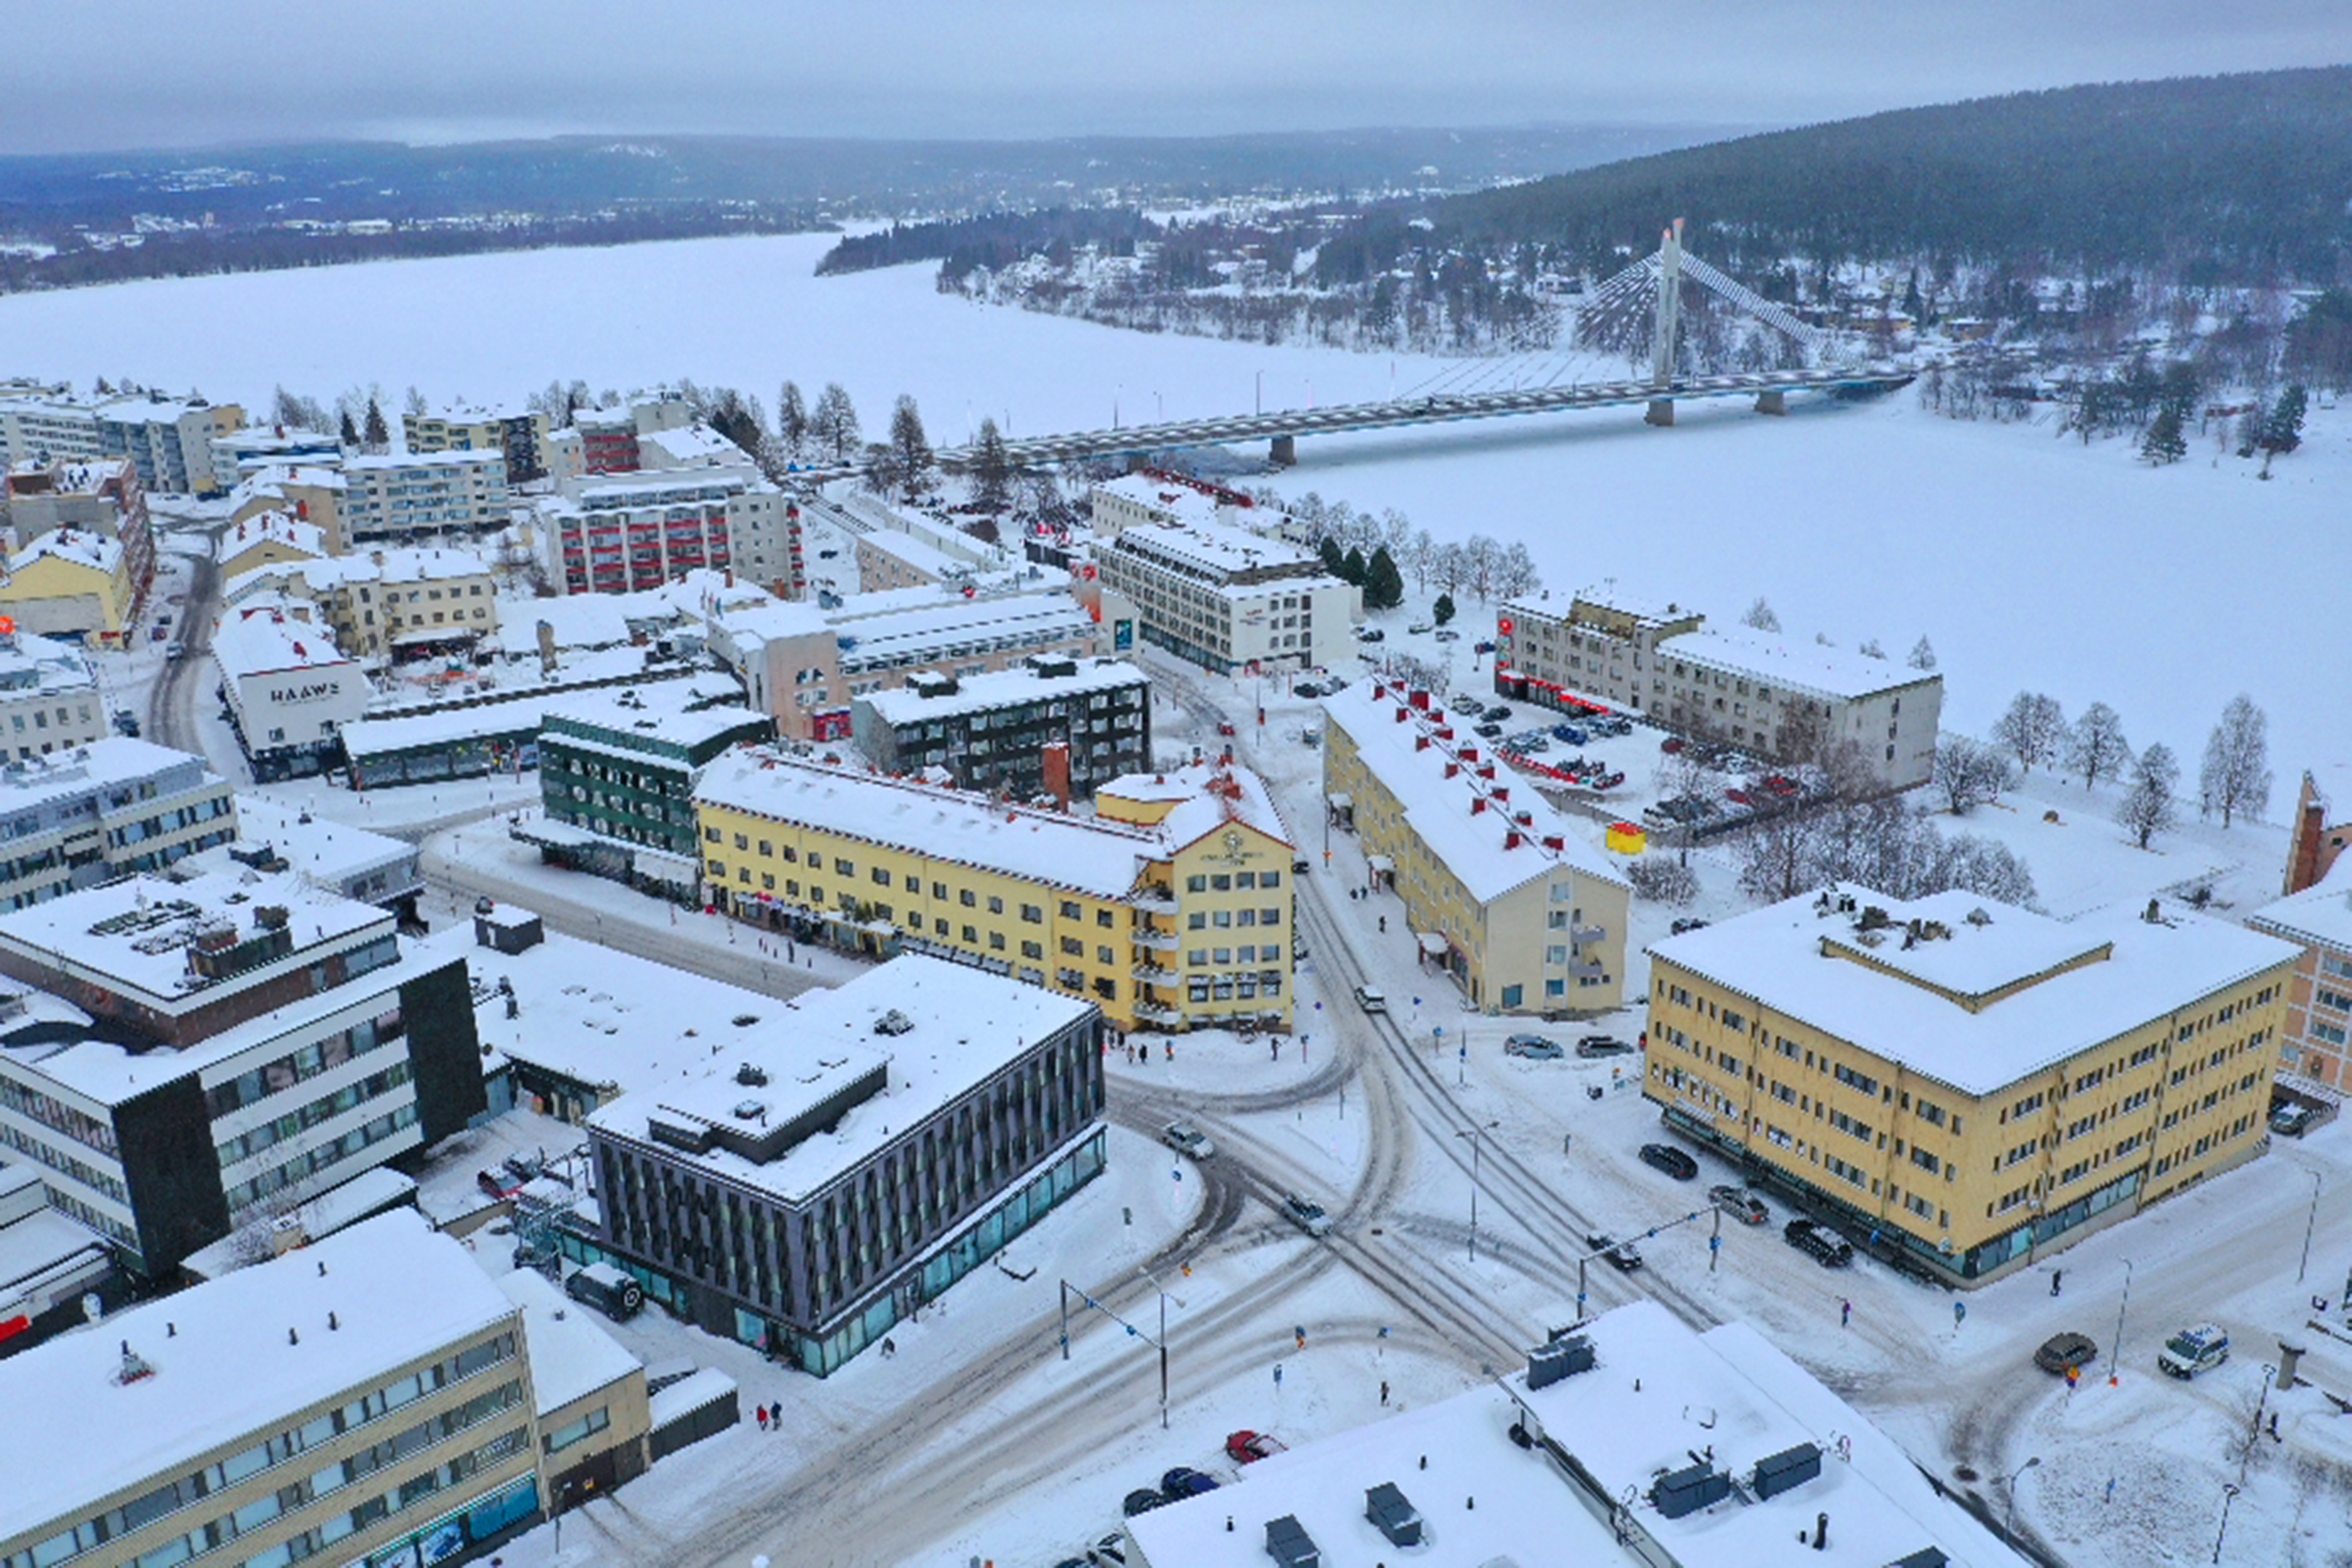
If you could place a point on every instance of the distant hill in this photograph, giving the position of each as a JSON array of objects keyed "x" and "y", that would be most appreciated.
[{"x": 2220, "y": 179}]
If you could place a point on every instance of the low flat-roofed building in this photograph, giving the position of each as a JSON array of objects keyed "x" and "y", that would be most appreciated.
[
  {"x": 291, "y": 691},
  {"x": 50, "y": 699},
  {"x": 991, "y": 732},
  {"x": 1967, "y": 1081},
  {"x": 2318, "y": 919},
  {"x": 112, "y": 808},
  {"x": 187, "y": 1058},
  {"x": 874, "y": 1145},
  {"x": 241, "y": 454},
  {"x": 1775, "y": 696},
  {"x": 1170, "y": 906},
  {"x": 369, "y": 1392},
  {"x": 497, "y": 731},
  {"x": 590, "y": 1392},
  {"x": 1227, "y": 599},
  {"x": 47, "y": 1262},
  {"x": 1506, "y": 895},
  {"x": 274, "y": 835},
  {"x": 1662, "y": 1447}
]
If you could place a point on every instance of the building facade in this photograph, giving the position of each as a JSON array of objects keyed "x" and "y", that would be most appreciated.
[
  {"x": 368, "y": 1399},
  {"x": 1505, "y": 896},
  {"x": 390, "y": 605},
  {"x": 239, "y": 456},
  {"x": 255, "y": 1042},
  {"x": 78, "y": 584},
  {"x": 50, "y": 699},
  {"x": 517, "y": 435},
  {"x": 103, "y": 497},
  {"x": 311, "y": 495},
  {"x": 289, "y": 690},
  {"x": 169, "y": 439},
  {"x": 1968, "y": 1083},
  {"x": 630, "y": 533},
  {"x": 1170, "y": 909},
  {"x": 2316, "y": 842},
  {"x": 990, "y": 732},
  {"x": 1781, "y": 700},
  {"x": 2313, "y": 1043},
  {"x": 111, "y": 808},
  {"x": 1229, "y": 600},
  {"x": 779, "y": 1197},
  {"x": 398, "y": 496},
  {"x": 613, "y": 768}
]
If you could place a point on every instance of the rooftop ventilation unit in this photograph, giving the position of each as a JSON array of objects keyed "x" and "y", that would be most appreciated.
[
  {"x": 751, "y": 1077},
  {"x": 1786, "y": 1470},
  {"x": 1687, "y": 1491},
  {"x": 1392, "y": 1515},
  {"x": 750, "y": 1110},
  {"x": 894, "y": 1021},
  {"x": 1925, "y": 1557},
  {"x": 1288, "y": 1542},
  {"x": 1563, "y": 1358}
]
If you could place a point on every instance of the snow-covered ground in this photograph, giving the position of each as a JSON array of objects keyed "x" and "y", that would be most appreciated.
[{"x": 2029, "y": 561}]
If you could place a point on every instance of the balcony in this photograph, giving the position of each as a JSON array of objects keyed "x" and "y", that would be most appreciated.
[
  {"x": 1159, "y": 1013},
  {"x": 1155, "y": 974},
  {"x": 1154, "y": 897},
  {"x": 1585, "y": 936},
  {"x": 1154, "y": 938}
]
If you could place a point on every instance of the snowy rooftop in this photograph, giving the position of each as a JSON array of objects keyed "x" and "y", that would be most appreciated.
[
  {"x": 328, "y": 853},
  {"x": 404, "y": 462},
  {"x": 2321, "y": 913},
  {"x": 513, "y": 713},
  {"x": 654, "y": 712},
  {"x": 602, "y": 1016},
  {"x": 967, "y": 1025},
  {"x": 234, "y": 1357},
  {"x": 1807, "y": 667},
  {"x": 279, "y": 527},
  {"x": 1025, "y": 582},
  {"x": 263, "y": 643},
  {"x": 30, "y": 661},
  {"x": 1180, "y": 502},
  {"x": 1003, "y": 689},
  {"x": 580, "y": 620},
  {"x": 975, "y": 623},
  {"x": 266, "y": 481},
  {"x": 570, "y": 1357},
  {"x": 920, "y": 554},
  {"x": 1660, "y": 1393},
  {"x": 429, "y": 564},
  {"x": 1466, "y": 820},
  {"x": 1217, "y": 549},
  {"x": 76, "y": 546},
  {"x": 115, "y": 760},
  {"x": 690, "y": 446},
  {"x": 1978, "y": 1006}
]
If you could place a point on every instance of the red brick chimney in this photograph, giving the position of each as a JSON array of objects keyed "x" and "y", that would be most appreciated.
[{"x": 1057, "y": 756}]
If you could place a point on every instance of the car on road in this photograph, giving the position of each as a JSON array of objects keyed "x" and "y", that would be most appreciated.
[
  {"x": 1419, "y": 628},
  {"x": 1187, "y": 1139},
  {"x": 1739, "y": 1204},
  {"x": 175, "y": 649},
  {"x": 1683, "y": 925},
  {"x": 1247, "y": 1448},
  {"x": 1184, "y": 1482},
  {"x": 1622, "y": 1255},
  {"x": 1594, "y": 1046},
  {"x": 2063, "y": 1352},
  {"x": 1071, "y": 1563},
  {"x": 127, "y": 723},
  {"x": 1301, "y": 865},
  {"x": 1535, "y": 1048},
  {"x": 1825, "y": 1247},
  {"x": 1672, "y": 1160},
  {"x": 1372, "y": 999},
  {"x": 1307, "y": 1216},
  {"x": 1143, "y": 1500},
  {"x": 1224, "y": 727},
  {"x": 2192, "y": 1350}
]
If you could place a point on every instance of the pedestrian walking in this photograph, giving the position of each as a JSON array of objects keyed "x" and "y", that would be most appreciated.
[
  {"x": 1170, "y": 1045},
  {"x": 2055, "y": 1275},
  {"x": 776, "y": 1416},
  {"x": 1277, "y": 1376},
  {"x": 1845, "y": 1314},
  {"x": 1384, "y": 925},
  {"x": 1277, "y": 1049},
  {"x": 1384, "y": 1391},
  {"x": 763, "y": 1416}
]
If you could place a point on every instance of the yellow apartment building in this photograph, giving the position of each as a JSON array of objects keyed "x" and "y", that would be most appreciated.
[
  {"x": 1972, "y": 1083},
  {"x": 1170, "y": 909},
  {"x": 75, "y": 583},
  {"x": 1506, "y": 895}
]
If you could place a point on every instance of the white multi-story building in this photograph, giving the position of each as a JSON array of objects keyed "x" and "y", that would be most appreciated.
[
  {"x": 241, "y": 454},
  {"x": 108, "y": 809},
  {"x": 50, "y": 699},
  {"x": 290, "y": 691},
  {"x": 170, "y": 439},
  {"x": 396, "y": 496},
  {"x": 1780, "y": 698},
  {"x": 1228, "y": 599},
  {"x": 626, "y": 532}
]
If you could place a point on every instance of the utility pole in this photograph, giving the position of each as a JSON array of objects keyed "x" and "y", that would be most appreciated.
[
  {"x": 1476, "y": 1135},
  {"x": 1669, "y": 323}
]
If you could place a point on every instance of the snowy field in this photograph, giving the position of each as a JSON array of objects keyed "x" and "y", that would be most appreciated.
[{"x": 2029, "y": 561}]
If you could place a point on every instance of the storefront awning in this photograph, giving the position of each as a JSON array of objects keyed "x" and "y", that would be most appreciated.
[
  {"x": 1338, "y": 801},
  {"x": 1382, "y": 864},
  {"x": 1433, "y": 945}
]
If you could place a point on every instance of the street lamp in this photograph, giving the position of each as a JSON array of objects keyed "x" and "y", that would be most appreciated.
[
  {"x": 1476, "y": 1135},
  {"x": 2229, "y": 1496},
  {"x": 2115, "y": 1353},
  {"x": 2009, "y": 1524},
  {"x": 2308, "y": 1225}
]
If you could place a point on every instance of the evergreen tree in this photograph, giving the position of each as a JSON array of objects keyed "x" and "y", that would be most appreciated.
[
  {"x": 1383, "y": 584},
  {"x": 373, "y": 430},
  {"x": 1333, "y": 562},
  {"x": 2281, "y": 430},
  {"x": 1922, "y": 655},
  {"x": 991, "y": 470},
  {"x": 1353, "y": 566},
  {"x": 1442, "y": 612},
  {"x": 350, "y": 433},
  {"x": 910, "y": 449},
  {"x": 792, "y": 420},
  {"x": 2164, "y": 442}
]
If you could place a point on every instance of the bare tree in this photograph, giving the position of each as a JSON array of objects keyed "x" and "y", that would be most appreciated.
[
  {"x": 1969, "y": 773},
  {"x": 2095, "y": 746},
  {"x": 1922, "y": 655},
  {"x": 1481, "y": 558},
  {"x": 1420, "y": 557},
  {"x": 1662, "y": 880},
  {"x": 1451, "y": 567},
  {"x": 2147, "y": 807},
  {"x": 2236, "y": 774},
  {"x": 1516, "y": 575},
  {"x": 1870, "y": 649},
  {"x": 1396, "y": 533},
  {"x": 2033, "y": 729},
  {"x": 792, "y": 421},
  {"x": 1760, "y": 616},
  {"x": 834, "y": 428}
]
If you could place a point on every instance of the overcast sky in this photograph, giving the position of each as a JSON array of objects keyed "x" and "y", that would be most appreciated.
[{"x": 109, "y": 74}]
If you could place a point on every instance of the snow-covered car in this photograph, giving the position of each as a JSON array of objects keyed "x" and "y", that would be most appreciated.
[
  {"x": 1447, "y": 634},
  {"x": 1739, "y": 1204},
  {"x": 1246, "y": 1448},
  {"x": 1187, "y": 1139},
  {"x": 1307, "y": 1216},
  {"x": 1419, "y": 628}
]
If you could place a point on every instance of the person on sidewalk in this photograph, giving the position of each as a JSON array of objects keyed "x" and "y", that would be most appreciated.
[{"x": 1845, "y": 1314}]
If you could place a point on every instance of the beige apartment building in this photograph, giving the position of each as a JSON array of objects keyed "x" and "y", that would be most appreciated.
[
  {"x": 2318, "y": 920},
  {"x": 1770, "y": 695},
  {"x": 1503, "y": 894},
  {"x": 1970, "y": 1084},
  {"x": 388, "y": 604}
]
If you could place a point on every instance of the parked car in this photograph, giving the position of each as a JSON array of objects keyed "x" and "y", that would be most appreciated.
[
  {"x": 1739, "y": 797},
  {"x": 1500, "y": 711},
  {"x": 1463, "y": 704},
  {"x": 1301, "y": 865},
  {"x": 1372, "y": 999},
  {"x": 1622, "y": 1255},
  {"x": 1739, "y": 1204},
  {"x": 1671, "y": 745},
  {"x": 1568, "y": 733},
  {"x": 1306, "y": 688},
  {"x": 826, "y": 554},
  {"x": 1535, "y": 1048},
  {"x": 1482, "y": 647},
  {"x": 1311, "y": 739},
  {"x": 1307, "y": 1216},
  {"x": 1488, "y": 731},
  {"x": 1419, "y": 628},
  {"x": 1672, "y": 1160},
  {"x": 2288, "y": 1120},
  {"x": 1224, "y": 727},
  {"x": 1142, "y": 1500},
  {"x": 1447, "y": 634},
  {"x": 1187, "y": 1139},
  {"x": 175, "y": 649},
  {"x": 126, "y": 723},
  {"x": 607, "y": 1288},
  {"x": 2063, "y": 1352},
  {"x": 1825, "y": 1247},
  {"x": 1371, "y": 634},
  {"x": 1246, "y": 1448},
  {"x": 1111, "y": 1552},
  {"x": 2192, "y": 1350},
  {"x": 1683, "y": 925},
  {"x": 1182, "y": 1482},
  {"x": 495, "y": 1185},
  {"x": 1594, "y": 1046}
]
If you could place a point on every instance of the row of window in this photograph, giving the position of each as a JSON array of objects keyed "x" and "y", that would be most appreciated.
[
  {"x": 252, "y": 1087},
  {"x": 324, "y": 1108},
  {"x": 278, "y": 1178}
]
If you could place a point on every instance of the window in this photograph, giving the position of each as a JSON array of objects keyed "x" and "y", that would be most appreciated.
[
  {"x": 996, "y": 940},
  {"x": 1070, "y": 910},
  {"x": 1032, "y": 914},
  {"x": 995, "y": 905},
  {"x": 881, "y": 877},
  {"x": 964, "y": 897},
  {"x": 1032, "y": 949}
]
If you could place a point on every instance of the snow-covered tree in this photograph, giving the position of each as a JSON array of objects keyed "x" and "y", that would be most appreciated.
[
  {"x": 1969, "y": 773},
  {"x": 2164, "y": 443},
  {"x": 2236, "y": 774},
  {"x": 991, "y": 470},
  {"x": 1420, "y": 557},
  {"x": 1870, "y": 649},
  {"x": 2147, "y": 807},
  {"x": 792, "y": 421},
  {"x": 2095, "y": 747},
  {"x": 2033, "y": 729},
  {"x": 1516, "y": 575},
  {"x": 1760, "y": 616},
  {"x": 833, "y": 426},
  {"x": 1662, "y": 881},
  {"x": 374, "y": 431},
  {"x": 1922, "y": 655}
]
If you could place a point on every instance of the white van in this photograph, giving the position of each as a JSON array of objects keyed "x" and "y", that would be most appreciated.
[
  {"x": 2192, "y": 1350},
  {"x": 1369, "y": 999}
]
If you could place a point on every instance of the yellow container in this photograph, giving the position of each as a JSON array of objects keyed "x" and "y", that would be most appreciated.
[{"x": 1628, "y": 838}]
